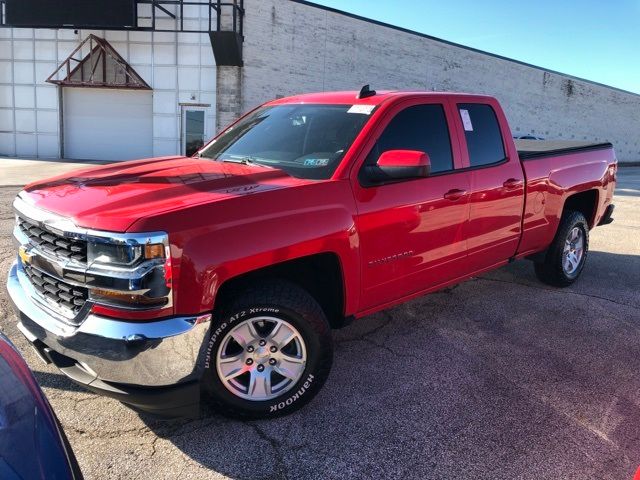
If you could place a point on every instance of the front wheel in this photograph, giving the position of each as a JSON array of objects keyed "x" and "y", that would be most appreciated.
[
  {"x": 269, "y": 354},
  {"x": 567, "y": 255}
]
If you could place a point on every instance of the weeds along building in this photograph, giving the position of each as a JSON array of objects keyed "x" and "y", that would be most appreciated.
[{"x": 122, "y": 79}]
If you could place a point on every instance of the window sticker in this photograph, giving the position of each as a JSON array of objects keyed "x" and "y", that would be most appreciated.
[
  {"x": 466, "y": 120},
  {"x": 362, "y": 109},
  {"x": 316, "y": 162}
]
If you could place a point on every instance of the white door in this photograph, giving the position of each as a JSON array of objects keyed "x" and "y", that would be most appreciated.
[{"x": 103, "y": 124}]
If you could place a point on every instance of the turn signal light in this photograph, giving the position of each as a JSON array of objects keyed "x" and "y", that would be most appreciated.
[
  {"x": 125, "y": 299},
  {"x": 153, "y": 250}
]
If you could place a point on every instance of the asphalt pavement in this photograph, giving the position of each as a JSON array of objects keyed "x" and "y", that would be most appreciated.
[{"x": 500, "y": 377}]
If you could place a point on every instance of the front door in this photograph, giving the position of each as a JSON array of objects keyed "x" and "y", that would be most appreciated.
[{"x": 413, "y": 232}]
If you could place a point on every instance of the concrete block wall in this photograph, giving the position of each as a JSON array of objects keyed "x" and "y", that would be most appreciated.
[
  {"x": 28, "y": 107},
  {"x": 178, "y": 66},
  {"x": 293, "y": 48}
]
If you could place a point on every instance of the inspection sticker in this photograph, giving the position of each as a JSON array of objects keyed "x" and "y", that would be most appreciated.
[
  {"x": 363, "y": 109},
  {"x": 316, "y": 162},
  {"x": 466, "y": 120}
]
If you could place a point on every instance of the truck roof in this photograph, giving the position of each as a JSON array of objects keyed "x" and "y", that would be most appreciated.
[{"x": 350, "y": 97}]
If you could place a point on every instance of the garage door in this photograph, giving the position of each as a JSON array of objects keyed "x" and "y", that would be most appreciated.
[{"x": 102, "y": 124}]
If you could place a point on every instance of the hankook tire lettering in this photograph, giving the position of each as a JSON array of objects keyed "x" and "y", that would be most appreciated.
[{"x": 294, "y": 397}]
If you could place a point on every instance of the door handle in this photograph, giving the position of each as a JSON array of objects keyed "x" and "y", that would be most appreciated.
[
  {"x": 512, "y": 183},
  {"x": 455, "y": 194}
]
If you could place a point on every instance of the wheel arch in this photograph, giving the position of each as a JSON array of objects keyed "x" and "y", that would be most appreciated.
[
  {"x": 319, "y": 274},
  {"x": 585, "y": 202}
]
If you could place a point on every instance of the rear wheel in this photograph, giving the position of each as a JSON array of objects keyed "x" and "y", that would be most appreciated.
[
  {"x": 567, "y": 255},
  {"x": 270, "y": 352}
]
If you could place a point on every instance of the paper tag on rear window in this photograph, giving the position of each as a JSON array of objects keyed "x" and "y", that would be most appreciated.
[
  {"x": 363, "y": 109},
  {"x": 466, "y": 120}
]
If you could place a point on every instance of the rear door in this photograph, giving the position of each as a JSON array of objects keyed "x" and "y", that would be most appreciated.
[
  {"x": 412, "y": 232},
  {"x": 496, "y": 184}
]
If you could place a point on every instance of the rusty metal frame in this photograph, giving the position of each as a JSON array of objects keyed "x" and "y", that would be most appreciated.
[{"x": 99, "y": 49}]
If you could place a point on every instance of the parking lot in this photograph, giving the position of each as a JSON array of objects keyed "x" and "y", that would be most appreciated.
[{"x": 499, "y": 377}]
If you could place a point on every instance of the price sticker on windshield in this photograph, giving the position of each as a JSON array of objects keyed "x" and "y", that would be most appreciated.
[
  {"x": 362, "y": 109},
  {"x": 466, "y": 120}
]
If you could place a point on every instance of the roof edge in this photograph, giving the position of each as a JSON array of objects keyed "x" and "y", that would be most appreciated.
[{"x": 454, "y": 44}]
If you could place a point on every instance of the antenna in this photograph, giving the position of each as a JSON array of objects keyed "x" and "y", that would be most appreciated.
[{"x": 366, "y": 92}]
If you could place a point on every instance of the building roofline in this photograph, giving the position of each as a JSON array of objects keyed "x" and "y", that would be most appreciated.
[{"x": 447, "y": 42}]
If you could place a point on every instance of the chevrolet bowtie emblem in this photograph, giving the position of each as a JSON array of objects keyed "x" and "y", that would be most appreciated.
[{"x": 25, "y": 256}]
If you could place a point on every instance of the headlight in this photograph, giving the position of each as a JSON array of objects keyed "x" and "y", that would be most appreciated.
[
  {"x": 122, "y": 254},
  {"x": 135, "y": 270},
  {"x": 113, "y": 253}
]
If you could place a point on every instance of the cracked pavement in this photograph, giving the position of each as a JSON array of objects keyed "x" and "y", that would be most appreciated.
[{"x": 499, "y": 377}]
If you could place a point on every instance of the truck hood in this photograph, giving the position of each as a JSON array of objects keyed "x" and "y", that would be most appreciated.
[{"x": 112, "y": 197}]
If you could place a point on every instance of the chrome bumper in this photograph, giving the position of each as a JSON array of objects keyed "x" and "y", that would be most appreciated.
[{"x": 150, "y": 354}]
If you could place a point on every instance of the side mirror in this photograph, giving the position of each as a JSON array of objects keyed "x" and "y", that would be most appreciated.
[{"x": 399, "y": 165}]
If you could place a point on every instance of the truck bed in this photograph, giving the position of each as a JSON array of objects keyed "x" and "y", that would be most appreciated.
[{"x": 531, "y": 149}]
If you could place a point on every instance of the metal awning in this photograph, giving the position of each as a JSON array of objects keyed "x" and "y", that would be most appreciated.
[{"x": 102, "y": 67}]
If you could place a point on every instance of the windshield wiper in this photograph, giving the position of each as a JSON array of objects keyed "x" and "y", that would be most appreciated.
[{"x": 244, "y": 161}]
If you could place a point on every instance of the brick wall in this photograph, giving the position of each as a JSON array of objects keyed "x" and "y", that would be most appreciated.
[{"x": 294, "y": 48}]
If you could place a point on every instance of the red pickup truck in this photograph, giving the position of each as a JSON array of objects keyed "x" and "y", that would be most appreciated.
[{"x": 156, "y": 281}]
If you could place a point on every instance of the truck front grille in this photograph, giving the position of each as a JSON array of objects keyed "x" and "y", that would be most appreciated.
[
  {"x": 52, "y": 244},
  {"x": 66, "y": 296}
]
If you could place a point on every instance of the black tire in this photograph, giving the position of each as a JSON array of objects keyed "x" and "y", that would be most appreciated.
[
  {"x": 551, "y": 270},
  {"x": 285, "y": 301}
]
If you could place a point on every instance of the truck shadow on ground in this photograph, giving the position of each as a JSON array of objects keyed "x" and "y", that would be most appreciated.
[
  {"x": 501, "y": 374},
  {"x": 57, "y": 381}
]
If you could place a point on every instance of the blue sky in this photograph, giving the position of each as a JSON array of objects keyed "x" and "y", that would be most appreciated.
[{"x": 596, "y": 40}]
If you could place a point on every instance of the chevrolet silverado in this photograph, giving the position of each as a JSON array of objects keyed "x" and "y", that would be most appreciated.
[{"x": 163, "y": 281}]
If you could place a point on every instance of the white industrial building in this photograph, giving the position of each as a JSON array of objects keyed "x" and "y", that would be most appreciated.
[{"x": 177, "y": 73}]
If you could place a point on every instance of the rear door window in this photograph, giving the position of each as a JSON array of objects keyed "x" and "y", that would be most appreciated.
[{"x": 482, "y": 131}]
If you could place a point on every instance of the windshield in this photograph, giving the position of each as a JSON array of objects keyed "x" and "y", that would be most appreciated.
[{"x": 306, "y": 141}]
